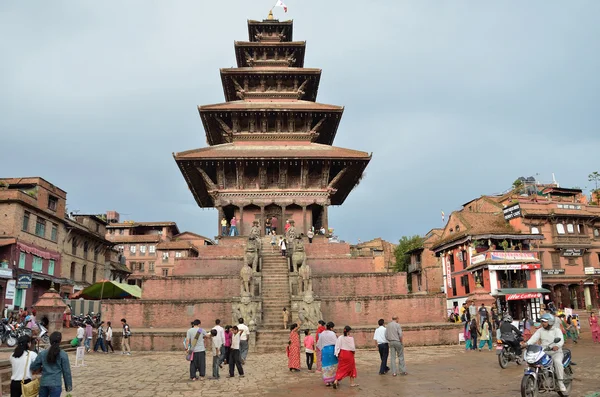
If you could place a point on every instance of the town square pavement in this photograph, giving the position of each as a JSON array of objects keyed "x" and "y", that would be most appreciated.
[{"x": 433, "y": 371}]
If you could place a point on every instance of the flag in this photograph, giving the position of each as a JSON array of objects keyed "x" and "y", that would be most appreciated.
[
  {"x": 280, "y": 4},
  {"x": 443, "y": 217}
]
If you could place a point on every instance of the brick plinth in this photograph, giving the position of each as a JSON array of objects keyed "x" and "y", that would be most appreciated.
[
  {"x": 364, "y": 284},
  {"x": 414, "y": 335},
  {"x": 208, "y": 266},
  {"x": 162, "y": 313},
  {"x": 367, "y": 310},
  {"x": 191, "y": 288}
]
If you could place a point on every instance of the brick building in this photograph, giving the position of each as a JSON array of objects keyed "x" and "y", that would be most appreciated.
[
  {"x": 84, "y": 250},
  {"x": 570, "y": 251},
  {"x": 32, "y": 213},
  {"x": 378, "y": 248},
  {"x": 151, "y": 248},
  {"x": 425, "y": 269},
  {"x": 485, "y": 259}
]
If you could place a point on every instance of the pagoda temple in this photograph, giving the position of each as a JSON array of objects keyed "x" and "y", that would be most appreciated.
[{"x": 270, "y": 147}]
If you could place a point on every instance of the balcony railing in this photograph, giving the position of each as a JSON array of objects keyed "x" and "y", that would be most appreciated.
[{"x": 414, "y": 267}]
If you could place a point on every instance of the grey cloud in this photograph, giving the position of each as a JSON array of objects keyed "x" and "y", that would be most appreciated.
[{"x": 454, "y": 99}]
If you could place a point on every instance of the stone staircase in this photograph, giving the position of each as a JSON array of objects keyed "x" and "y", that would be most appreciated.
[
  {"x": 271, "y": 337},
  {"x": 275, "y": 289}
]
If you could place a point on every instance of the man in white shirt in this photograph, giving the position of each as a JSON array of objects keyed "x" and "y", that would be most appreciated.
[
  {"x": 244, "y": 333},
  {"x": 546, "y": 335},
  {"x": 234, "y": 355},
  {"x": 221, "y": 333},
  {"x": 80, "y": 334},
  {"x": 383, "y": 346}
]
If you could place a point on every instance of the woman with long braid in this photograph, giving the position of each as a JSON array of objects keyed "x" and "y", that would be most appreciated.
[{"x": 54, "y": 364}]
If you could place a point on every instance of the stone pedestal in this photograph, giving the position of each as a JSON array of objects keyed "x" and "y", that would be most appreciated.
[
  {"x": 248, "y": 308},
  {"x": 51, "y": 305}
]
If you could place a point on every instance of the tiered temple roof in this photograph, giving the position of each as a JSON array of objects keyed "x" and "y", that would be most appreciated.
[{"x": 270, "y": 142}]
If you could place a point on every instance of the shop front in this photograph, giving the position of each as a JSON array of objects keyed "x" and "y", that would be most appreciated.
[{"x": 520, "y": 302}]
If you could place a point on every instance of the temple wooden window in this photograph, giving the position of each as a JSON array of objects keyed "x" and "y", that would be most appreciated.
[
  {"x": 555, "y": 260},
  {"x": 580, "y": 228},
  {"x": 560, "y": 228},
  {"x": 570, "y": 228},
  {"x": 451, "y": 259}
]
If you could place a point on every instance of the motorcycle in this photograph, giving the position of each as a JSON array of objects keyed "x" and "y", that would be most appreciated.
[
  {"x": 539, "y": 375},
  {"x": 22, "y": 329},
  {"x": 507, "y": 352},
  {"x": 7, "y": 334}
]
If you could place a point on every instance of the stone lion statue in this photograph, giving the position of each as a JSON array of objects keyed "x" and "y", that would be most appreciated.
[
  {"x": 298, "y": 254},
  {"x": 251, "y": 257}
]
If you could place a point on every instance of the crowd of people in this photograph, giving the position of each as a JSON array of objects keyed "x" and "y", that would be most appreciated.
[
  {"x": 481, "y": 327},
  {"x": 227, "y": 345},
  {"x": 334, "y": 355}
]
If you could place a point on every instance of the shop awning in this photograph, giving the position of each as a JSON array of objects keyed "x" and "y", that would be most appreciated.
[
  {"x": 521, "y": 293},
  {"x": 7, "y": 241},
  {"x": 109, "y": 290}
]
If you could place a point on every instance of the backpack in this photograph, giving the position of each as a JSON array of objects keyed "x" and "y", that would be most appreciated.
[{"x": 128, "y": 330}]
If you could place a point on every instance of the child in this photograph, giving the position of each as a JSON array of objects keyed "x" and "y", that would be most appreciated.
[
  {"x": 309, "y": 348},
  {"x": 273, "y": 240},
  {"x": 282, "y": 245},
  {"x": 216, "y": 351},
  {"x": 235, "y": 360}
]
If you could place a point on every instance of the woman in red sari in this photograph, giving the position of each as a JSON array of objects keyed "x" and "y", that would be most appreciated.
[
  {"x": 293, "y": 349},
  {"x": 320, "y": 329},
  {"x": 344, "y": 350}
]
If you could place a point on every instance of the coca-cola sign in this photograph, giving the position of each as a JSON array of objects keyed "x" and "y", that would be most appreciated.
[{"x": 524, "y": 295}]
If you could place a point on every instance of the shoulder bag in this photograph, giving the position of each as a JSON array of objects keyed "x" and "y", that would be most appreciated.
[
  {"x": 190, "y": 353},
  {"x": 31, "y": 389}
]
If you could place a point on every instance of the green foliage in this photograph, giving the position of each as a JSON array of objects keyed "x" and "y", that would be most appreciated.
[
  {"x": 594, "y": 177},
  {"x": 404, "y": 245}
]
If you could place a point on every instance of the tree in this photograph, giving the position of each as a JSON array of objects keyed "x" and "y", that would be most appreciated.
[
  {"x": 595, "y": 177},
  {"x": 405, "y": 245}
]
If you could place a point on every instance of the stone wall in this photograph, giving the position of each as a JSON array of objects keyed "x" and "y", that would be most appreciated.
[
  {"x": 362, "y": 284},
  {"x": 169, "y": 314}
]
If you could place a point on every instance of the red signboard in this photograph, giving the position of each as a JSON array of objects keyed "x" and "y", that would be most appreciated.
[{"x": 524, "y": 295}]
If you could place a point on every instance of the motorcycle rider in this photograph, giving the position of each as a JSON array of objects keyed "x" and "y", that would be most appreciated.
[
  {"x": 546, "y": 334},
  {"x": 510, "y": 334}
]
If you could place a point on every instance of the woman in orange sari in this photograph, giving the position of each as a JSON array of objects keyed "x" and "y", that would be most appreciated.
[
  {"x": 293, "y": 349},
  {"x": 320, "y": 329},
  {"x": 344, "y": 350}
]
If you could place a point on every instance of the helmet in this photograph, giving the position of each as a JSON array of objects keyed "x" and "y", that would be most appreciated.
[
  {"x": 507, "y": 318},
  {"x": 27, "y": 318},
  {"x": 549, "y": 318}
]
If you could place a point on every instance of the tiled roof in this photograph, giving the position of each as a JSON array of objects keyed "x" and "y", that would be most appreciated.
[
  {"x": 138, "y": 238},
  {"x": 271, "y": 105},
  {"x": 476, "y": 223},
  {"x": 278, "y": 149}
]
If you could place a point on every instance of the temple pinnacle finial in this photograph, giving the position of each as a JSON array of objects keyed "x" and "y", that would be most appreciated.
[{"x": 270, "y": 16}]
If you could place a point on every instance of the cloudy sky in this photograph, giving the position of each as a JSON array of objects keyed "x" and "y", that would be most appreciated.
[{"x": 454, "y": 98}]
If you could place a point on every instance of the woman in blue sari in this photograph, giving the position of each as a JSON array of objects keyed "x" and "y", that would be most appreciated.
[{"x": 329, "y": 361}]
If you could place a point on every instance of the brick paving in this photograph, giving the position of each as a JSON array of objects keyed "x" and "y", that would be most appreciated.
[{"x": 434, "y": 371}]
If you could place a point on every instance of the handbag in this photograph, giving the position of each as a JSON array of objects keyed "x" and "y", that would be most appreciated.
[
  {"x": 31, "y": 389},
  {"x": 190, "y": 353}
]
